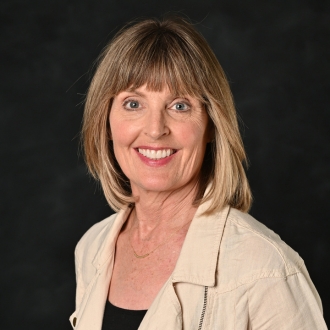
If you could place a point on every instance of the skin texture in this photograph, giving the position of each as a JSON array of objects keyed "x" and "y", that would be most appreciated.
[{"x": 164, "y": 189}]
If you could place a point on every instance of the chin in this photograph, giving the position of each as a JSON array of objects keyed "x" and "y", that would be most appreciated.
[{"x": 157, "y": 185}]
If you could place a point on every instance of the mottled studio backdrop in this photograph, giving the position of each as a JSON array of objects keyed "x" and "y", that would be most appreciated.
[{"x": 277, "y": 57}]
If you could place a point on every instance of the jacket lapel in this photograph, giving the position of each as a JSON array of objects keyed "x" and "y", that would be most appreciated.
[
  {"x": 198, "y": 259},
  {"x": 165, "y": 312},
  {"x": 90, "y": 313}
]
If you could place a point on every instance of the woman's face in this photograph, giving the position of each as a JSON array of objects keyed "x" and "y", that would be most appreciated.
[{"x": 159, "y": 138}]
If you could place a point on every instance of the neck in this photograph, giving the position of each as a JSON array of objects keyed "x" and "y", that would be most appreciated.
[{"x": 157, "y": 213}]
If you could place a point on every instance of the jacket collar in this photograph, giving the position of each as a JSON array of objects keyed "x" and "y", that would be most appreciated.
[
  {"x": 110, "y": 234},
  {"x": 199, "y": 254}
]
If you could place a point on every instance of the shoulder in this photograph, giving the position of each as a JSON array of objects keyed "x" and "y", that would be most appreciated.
[
  {"x": 257, "y": 269},
  {"x": 252, "y": 251}
]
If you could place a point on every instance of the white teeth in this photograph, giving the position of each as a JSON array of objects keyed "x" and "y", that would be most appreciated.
[{"x": 153, "y": 154}]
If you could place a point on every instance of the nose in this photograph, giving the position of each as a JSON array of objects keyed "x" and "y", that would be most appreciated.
[{"x": 156, "y": 125}]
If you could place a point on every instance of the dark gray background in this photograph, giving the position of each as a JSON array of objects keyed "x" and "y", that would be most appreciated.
[{"x": 276, "y": 55}]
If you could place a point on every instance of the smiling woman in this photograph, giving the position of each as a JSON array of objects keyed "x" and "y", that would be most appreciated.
[
  {"x": 160, "y": 133},
  {"x": 174, "y": 55}
]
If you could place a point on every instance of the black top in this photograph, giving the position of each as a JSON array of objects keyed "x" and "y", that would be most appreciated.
[{"x": 116, "y": 318}]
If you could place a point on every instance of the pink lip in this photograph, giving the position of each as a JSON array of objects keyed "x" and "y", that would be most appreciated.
[{"x": 154, "y": 162}]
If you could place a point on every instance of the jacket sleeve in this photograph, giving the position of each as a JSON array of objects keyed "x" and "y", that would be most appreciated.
[{"x": 289, "y": 303}]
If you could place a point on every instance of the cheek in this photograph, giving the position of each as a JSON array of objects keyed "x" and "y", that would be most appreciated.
[
  {"x": 121, "y": 131},
  {"x": 118, "y": 137},
  {"x": 195, "y": 134}
]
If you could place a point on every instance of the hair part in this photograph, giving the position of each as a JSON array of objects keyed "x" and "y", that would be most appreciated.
[{"x": 158, "y": 54}]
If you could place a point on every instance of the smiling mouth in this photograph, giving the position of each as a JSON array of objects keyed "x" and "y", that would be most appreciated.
[{"x": 156, "y": 154}]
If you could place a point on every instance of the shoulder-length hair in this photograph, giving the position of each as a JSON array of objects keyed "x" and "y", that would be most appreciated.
[{"x": 159, "y": 53}]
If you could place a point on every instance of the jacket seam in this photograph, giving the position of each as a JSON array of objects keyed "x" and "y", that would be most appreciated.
[{"x": 255, "y": 280}]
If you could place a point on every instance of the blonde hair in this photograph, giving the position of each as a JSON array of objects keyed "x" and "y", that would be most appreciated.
[{"x": 159, "y": 53}]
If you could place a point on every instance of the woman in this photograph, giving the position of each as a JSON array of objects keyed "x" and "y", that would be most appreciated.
[{"x": 160, "y": 133}]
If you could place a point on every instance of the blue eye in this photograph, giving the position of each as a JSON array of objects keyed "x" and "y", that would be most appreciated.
[
  {"x": 132, "y": 104},
  {"x": 181, "y": 106}
]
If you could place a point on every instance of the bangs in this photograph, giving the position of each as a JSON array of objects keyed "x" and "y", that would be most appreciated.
[{"x": 159, "y": 60}]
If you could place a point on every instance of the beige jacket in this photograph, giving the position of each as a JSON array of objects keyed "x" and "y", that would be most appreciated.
[{"x": 233, "y": 273}]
